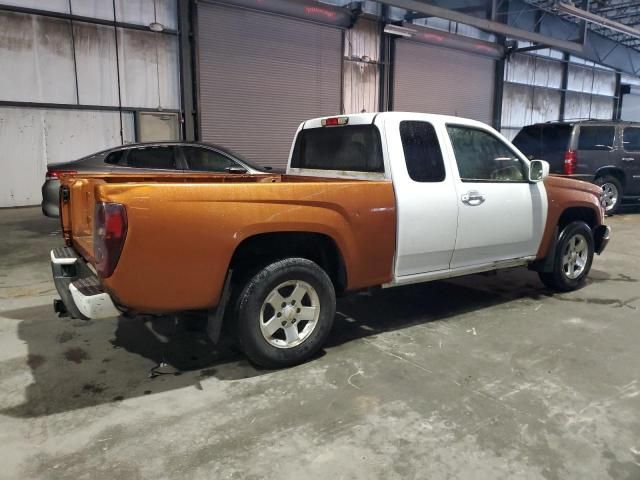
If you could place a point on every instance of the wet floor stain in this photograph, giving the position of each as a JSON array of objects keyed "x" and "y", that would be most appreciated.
[
  {"x": 76, "y": 355},
  {"x": 613, "y": 302},
  {"x": 34, "y": 360},
  {"x": 93, "y": 388},
  {"x": 65, "y": 336}
]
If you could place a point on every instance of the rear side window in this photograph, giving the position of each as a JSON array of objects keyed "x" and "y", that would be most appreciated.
[
  {"x": 203, "y": 159},
  {"x": 631, "y": 139},
  {"x": 353, "y": 148},
  {"x": 555, "y": 138},
  {"x": 152, "y": 157},
  {"x": 422, "y": 151},
  {"x": 115, "y": 158},
  {"x": 596, "y": 138},
  {"x": 528, "y": 140}
]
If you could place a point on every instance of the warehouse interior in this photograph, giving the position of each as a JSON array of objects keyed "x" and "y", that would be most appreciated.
[
  {"x": 95, "y": 74},
  {"x": 491, "y": 374}
]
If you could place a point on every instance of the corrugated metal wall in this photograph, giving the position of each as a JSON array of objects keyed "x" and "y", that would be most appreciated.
[
  {"x": 38, "y": 51},
  {"x": 361, "y": 74},
  {"x": 533, "y": 90}
]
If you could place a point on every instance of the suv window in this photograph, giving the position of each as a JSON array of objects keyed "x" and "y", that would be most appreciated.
[
  {"x": 161, "y": 157},
  {"x": 422, "y": 151},
  {"x": 115, "y": 158},
  {"x": 528, "y": 140},
  {"x": 483, "y": 157},
  {"x": 596, "y": 138},
  {"x": 631, "y": 139},
  {"x": 207, "y": 160},
  {"x": 353, "y": 148}
]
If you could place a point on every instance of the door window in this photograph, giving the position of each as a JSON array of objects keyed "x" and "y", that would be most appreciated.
[
  {"x": 596, "y": 138},
  {"x": 422, "y": 151},
  {"x": 206, "y": 160},
  {"x": 631, "y": 139},
  {"x": 482, "y": 157},
  {"x": 116, "y": 158},
  {"x": 152, "y": 157}
]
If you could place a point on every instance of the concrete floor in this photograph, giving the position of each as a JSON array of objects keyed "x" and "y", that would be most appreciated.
[{"x": 477, "y": 378}]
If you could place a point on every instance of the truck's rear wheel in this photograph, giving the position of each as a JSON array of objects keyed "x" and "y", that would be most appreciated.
[
  {"x": 573, "y": 257},
  {"x": 285, "y": 313}
]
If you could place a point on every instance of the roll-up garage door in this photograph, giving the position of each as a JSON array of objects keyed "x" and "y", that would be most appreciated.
[
  {"x": 441, "y": 80},
  {"x": 260, "y": 76}
]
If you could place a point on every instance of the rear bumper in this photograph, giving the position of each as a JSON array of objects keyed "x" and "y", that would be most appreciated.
[
  {"x": 79, "y": 288},
  {"x": 601, "y": 236}
]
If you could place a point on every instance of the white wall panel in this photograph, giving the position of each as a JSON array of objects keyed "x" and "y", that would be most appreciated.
[
  {"x": 601, "y": 107},
  {"x": 360, "y": 79},
  {"x": 50, "y": 5},
  {"x": 144, "y": 12},
  {"x": 577, "y": 106},
  {"x": 148, "y": 69},
  {"x": 93, "y": 8},
  {"x": 31, "y": 138},
  {"x": 96, "y": 64},
  {"x": 36, "y": 58}
]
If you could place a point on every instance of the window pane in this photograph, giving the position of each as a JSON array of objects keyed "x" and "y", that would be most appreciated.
[
  {"x": 355, "y": 148},
  {"x": 206, "y": 160},
  {"x": 115, "y": 158},
  {"x": 631, "y": 139},
  {"x": 596, "y": 138},
  {"x": 422, "y": 152},
  {"x": 528, "y": 140},
  {"x": 152, "y": 157},
  {"x": 481, "y": 156}
]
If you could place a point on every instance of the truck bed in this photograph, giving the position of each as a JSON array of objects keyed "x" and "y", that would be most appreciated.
[{"x": 187, "y": 226}]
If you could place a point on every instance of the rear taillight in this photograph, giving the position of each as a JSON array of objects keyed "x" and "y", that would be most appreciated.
[
  {"x": 109, "y": 233},
  {"x": 334, "y": 121},
  {"x": 55, "y": 174},
  {"x": 570, "y": 161}
]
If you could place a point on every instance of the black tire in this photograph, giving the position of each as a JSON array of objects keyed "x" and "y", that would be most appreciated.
[
  {"x": 559, "y": 279},
  {"x": 249, "y": 309},
  {"x": 613, "y": 184}
]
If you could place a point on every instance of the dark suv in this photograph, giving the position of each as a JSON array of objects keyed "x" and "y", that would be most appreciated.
[{"x": 606, "y": 153}]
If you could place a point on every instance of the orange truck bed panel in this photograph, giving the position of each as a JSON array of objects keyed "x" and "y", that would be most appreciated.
[{"x": 184, "y": 229}]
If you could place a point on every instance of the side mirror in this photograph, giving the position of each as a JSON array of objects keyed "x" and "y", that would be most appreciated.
[{"x": 538, "y": 170}]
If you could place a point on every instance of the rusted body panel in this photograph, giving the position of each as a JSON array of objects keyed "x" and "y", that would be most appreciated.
[
  {"x": 182, "y": 233},
  {"x": 564, "y": 193}
]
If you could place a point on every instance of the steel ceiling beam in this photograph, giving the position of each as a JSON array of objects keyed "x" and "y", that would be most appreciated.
[{"x": 483, "y": 24}]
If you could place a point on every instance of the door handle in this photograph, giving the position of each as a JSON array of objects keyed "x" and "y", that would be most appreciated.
[
  {"x": 473, "y": 198},
  {"x": 628, "y": 159}
]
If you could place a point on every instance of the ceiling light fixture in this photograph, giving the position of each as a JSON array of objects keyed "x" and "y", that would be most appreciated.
[{"x": 399, "y": 31}]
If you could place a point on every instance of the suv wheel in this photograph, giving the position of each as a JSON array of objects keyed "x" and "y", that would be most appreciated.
[
  {"x": 612, "y": 189},
  {"x": 573, "y": 258},
  {"x": 285, "y": 313}
]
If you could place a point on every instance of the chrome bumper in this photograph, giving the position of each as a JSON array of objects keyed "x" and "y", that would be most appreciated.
[{"x": 79, "y": 288}]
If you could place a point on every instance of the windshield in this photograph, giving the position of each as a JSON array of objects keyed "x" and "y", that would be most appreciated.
[{"x": 353, "y": 148}]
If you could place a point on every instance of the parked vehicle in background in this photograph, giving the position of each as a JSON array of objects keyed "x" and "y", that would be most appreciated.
[
  {"x": 146, "y": 158},
  {"x": 369, "y": 200},
  {"x": 603, "y": 152}
]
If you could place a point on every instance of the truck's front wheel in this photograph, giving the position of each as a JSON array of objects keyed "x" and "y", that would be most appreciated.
[
  {"x": 573, "y": 257},
  {"x": 285, "y": 313}
]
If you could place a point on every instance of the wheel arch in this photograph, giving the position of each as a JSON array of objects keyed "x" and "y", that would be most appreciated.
[
  {"x": 258, "y": 250},
  {"x": 613, "y": 171}
]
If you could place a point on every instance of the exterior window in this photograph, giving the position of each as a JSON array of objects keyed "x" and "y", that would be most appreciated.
[
  {"x": 482, "y": 157},
  {"x": 422, "y": 151},
  {"x": 631, "y": 139},
  {"x": 116, "y": 158},
  {"x": 152, "y": 157},
  {"x": 354, "y": 148},
  {"x": 596, "y": 138},
  {"x": 207, "y": 160}
]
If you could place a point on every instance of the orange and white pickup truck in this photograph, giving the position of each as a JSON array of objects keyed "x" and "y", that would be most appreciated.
[{"x": 368, "y": 200}]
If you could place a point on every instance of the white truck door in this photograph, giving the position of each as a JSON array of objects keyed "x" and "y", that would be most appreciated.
[
  {"x": 501, "y": 215},
  {"x": 425, "y": 194}
]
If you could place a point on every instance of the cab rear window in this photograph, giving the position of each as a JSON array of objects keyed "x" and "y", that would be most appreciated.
[{"x": 354, "y": 148}]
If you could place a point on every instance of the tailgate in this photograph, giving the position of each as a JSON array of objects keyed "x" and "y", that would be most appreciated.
[{"x": 77, "y": 205}]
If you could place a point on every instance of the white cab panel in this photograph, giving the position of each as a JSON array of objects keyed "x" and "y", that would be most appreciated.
[{"x": 427, "y": 211}]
